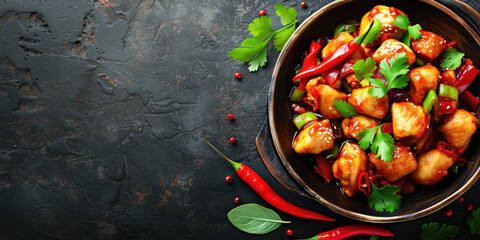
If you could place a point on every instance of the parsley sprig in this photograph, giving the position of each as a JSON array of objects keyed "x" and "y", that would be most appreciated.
[
  {"x": 385, "y": 198},
  {"x": 363, "y": 70},
  {"x": 402, "y": 22},
  {"x": 433, "y": 231},
  {"x": 451, "y": 59},
  {"x": 381, "y": 143},
  {"x": 474, "y": 221},
  {"x": 395, "y": 73},
  {"x": 345, "y": 108},
  {"x": 254, "y": 50}
]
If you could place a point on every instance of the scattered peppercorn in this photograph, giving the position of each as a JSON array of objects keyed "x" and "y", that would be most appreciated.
[
  {"x": 230, "y": 117},
  {"x": 303, "y": 4},
  {"x": 461, "y": 199},
  {"x": 469, "y": 207},
  {"x": 233, "y": 140},
  {"x": 237, "y": 200},
  {"x": 237, "y": 75},
  {"x": 228, "y": 179},
  {"x": 290, "y": 232},
  {"x": 448, "y": 212},
  {"x": 261, "y": 12}
]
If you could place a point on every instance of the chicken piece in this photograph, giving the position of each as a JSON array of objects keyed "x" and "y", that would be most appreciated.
[
  {"x": 345, "y": 123},
  {"x": 430, "y": 46},
  {"x": 425, "y": 142},
  {"x": 336, "y": 42},
  {"x": 458, "y": 128},
  {"x": 346, "y": 168},
  {"x": 392, "y": 47},
  {"x": 326, "y": 96},
  {"x": 432, "y": 167},
  {"x": 360, "y": 122},
  {"x": 368, "y": 104},
  {"x": 311, "y": 95},
  {"x": 402, "y": 164},
  {"x": 314, "y": 138},
  {"x": 409, "y": 120},
  {"x": 422, "y": 80},
  {"x": 386, "y": 15}
]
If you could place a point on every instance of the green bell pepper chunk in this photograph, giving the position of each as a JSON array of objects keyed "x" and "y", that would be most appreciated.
[
  {"x": 347, "y": 86},
  {"x": 342, "y": 27},
  {"x": 304, "y": 118},
  {"x": 297, "y": 95},
  {"x": 431, "y": 100},
  {"x": 332, "y": 154},
  {"x": 447, "y": 92},
  {"x": 455, "y": 168}
]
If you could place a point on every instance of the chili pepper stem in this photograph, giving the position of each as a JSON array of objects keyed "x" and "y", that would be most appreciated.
[{"x": 235, "y": 165}]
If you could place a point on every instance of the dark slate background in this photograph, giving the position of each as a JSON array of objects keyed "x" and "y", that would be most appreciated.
[{"x": 104, "y": 106}]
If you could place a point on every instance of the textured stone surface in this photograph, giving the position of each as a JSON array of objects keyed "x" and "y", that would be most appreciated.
[{"x": 104, "y": 106}]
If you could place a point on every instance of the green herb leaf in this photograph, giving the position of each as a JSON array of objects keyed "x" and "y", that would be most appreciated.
[
  {"x": 259, "y": 60},
  {"x": 383, "y": 146},
  {"x": 385, "y": 198},
  {"x": 287, "y": 15},
  {"x": 431, "y": 231},
  {"x": 395, "y": 74},
  {"x": 451, "y": 59},
  {"x": 282, "y": 36},
  {"x": 255, "y": 219},
  {"x": 345, "y": 108},
  {"x": 474, "y": 221},
  {"x": 367, "y": 136},
  {"x": 412, "y": 31},
  {"x": 253, "y": 50},
  {"x": 373, "y": 238},
  {"x": 261, "y": 27},
  {"x": 379, "y": 89},
  {"x": 402, "y": 21},
  {"x": 374, "y": 33},
  {"x": 363, "y": 70}
]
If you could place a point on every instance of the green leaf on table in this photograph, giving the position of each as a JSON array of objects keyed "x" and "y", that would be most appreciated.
[
  {"x": 282, "y": 36},
  {"x": 261, "y": 27},
  {"x": 433, "y": 231},
  {"x": 345, "y": 108},
  {"x": 252, "y": 50},
  {"x": 363, "y": 70},
  {"x": 451, "y": 59},
  {"x": 385, "y": 198},
  {"x": 287, "y": 15},
  {"x": 473, "y": 221},
  {"x": 255, "y": 219}
]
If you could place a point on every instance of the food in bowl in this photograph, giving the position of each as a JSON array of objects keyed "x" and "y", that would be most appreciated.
[{"x": 384, "y": 104}]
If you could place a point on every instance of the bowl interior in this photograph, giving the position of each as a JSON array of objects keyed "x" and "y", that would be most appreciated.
[{"x": 432, "y": 17}]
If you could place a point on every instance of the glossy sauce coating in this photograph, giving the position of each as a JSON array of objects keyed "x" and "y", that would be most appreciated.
[
  {"x": 346, "y": 168},
  {"x": 314, "y": 138},
  {"x": 402, "y": 164}
]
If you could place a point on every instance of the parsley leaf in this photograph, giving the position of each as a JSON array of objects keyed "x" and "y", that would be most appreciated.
[
  {"x": 451, "y": 59},
  {"x": 373, "y": 238},
  {"x": 474, "y": 222},
  {"x": 363, "y": 70},
  {"x": 287, "y": 15},
  {"x": 379, "y": 89},
  {"x": 374, "y": 33},
  {"x": 261, "y": 27},
  {"x": 382, "y": 143},
  {"x": 383, "y": 146},
  {"x": 431, "y": 231},
  {"x": 367, "y": 136},
  {"x": 412, "y": 31},
  {"x": 254, "y": 50},
  {"x": 345, "y": 108},
  {"x": 395, "y": 74},
  {"x": 402, "y": 21},
  {"x": 385, "y": 198}
]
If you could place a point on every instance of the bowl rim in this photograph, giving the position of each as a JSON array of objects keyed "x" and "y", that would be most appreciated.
[{"x": 345, "y": 212}]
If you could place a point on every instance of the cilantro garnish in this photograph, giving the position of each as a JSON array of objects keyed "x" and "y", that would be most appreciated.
[
  {"x": 373, "y": 238},
  {"x": 363, "y": 70},
  {"x": 385, "y": 198},
  {"x": 395, "y": 73},
  {"x": 254, "y": 50},
  {"x": 451, "y": 59},
  {"x": 431, "y": 231},
  {"x": 374, "y": 33},
  {"x": 474, "y": 222},
  {"x": 345, "y": 108},
  {"x": 381, "y": 143},
  {"x": 402, "y": 22}
]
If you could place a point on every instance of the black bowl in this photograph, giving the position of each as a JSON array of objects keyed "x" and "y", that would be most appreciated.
[{"x": 432, "y": 16}]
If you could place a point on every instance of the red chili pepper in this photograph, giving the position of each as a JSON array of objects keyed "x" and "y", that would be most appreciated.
[
  {"x": 469, "y": 101},
  {"x": 446, "y": 148},
  {"x": 466, "y": 75},
  {"x": 345, "y": 232},
  {"x": 297, "y": 108},
  {"x": 446, "y": 107},
  {"x": 331, "y": 76},
  {"x": 337, "y": 57},
  {"x": 364, "y": 184},
  {"x": 268, "y": 194},
  {"x": 387, "y": 128},
  {"x": 452, "y": 44},
  {"x": 447, "y": 77},
  {"x": 310, "y": 60},
  {"x": 323, "y": 168}
]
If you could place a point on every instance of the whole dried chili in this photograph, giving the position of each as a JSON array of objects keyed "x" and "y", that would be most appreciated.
[
  {"x": 261, "y": 187},
  {"x": 345, "y": 232}
]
